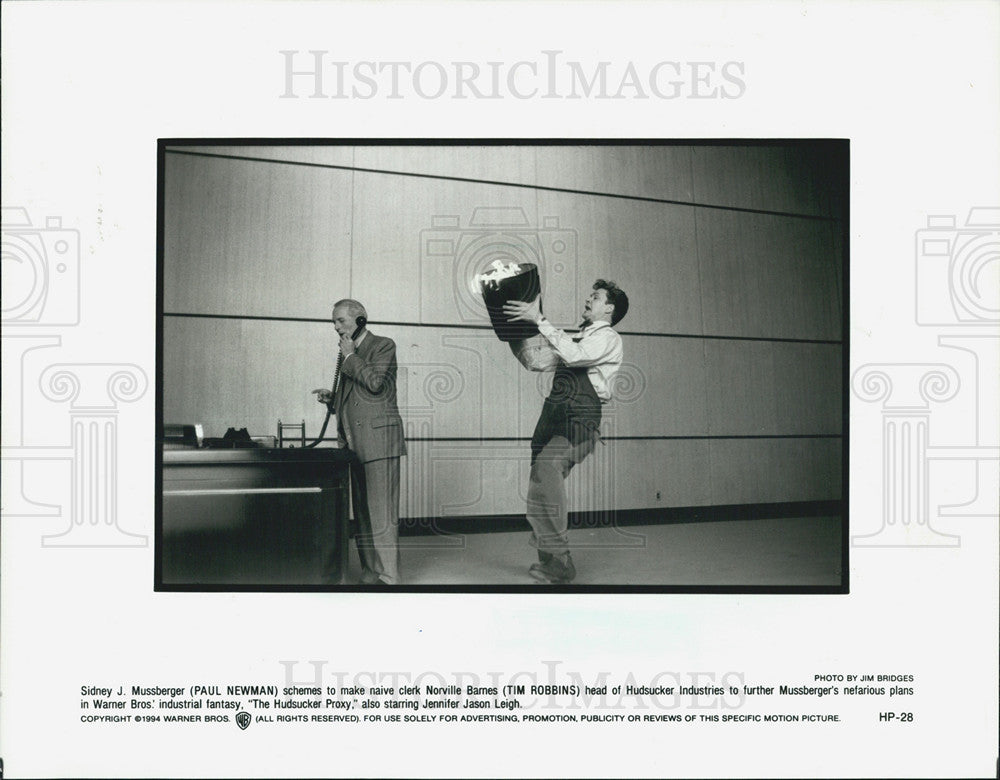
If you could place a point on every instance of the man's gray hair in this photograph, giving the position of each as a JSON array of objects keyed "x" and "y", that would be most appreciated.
[{"x": 354, "y": 308}]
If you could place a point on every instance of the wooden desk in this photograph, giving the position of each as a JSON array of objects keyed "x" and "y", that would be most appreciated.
[{"x": 253, "y": 517}]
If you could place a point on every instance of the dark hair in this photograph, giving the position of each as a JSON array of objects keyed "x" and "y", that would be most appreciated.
[{"x": 616, "y": 297}]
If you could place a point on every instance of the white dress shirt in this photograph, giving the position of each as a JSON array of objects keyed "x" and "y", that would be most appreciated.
[{"x": 597, "y": 347}]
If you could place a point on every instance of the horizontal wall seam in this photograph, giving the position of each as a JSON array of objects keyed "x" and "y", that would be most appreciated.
[
  {"x": 621, "y": 518},
  {"x": 488, "y": 328},
  {"x": 517, "y": 185}
]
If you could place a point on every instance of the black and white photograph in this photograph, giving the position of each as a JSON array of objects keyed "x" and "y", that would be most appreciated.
[
  {"x": 500, "y": 389},
  {"x": 570, "y": 364}
]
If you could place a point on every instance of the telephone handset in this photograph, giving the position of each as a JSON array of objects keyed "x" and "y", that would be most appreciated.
[{"x": 360, "y": 322}]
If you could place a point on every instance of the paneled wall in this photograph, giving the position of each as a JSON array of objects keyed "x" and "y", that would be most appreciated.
[{"x": 730, "y": 255}]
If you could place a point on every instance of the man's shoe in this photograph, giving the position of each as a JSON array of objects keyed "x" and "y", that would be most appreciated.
[
  {"x": 369, "y": 577},
  {"x": 558, "y": 569}
]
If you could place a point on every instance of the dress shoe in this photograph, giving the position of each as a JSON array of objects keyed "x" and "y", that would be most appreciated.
[
  {"x": 558, "y": 569},
  {"x": 369, "y": 578}
]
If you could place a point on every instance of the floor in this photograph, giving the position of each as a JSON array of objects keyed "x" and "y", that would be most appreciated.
[{"x": 804, "y": 551}]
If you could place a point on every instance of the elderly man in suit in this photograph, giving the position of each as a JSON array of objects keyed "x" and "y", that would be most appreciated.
[{"x": 368, "y": 422}]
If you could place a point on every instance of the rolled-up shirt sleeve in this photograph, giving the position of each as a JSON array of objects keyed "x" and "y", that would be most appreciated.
[
  {"x": 602, "y": 345},
  {"x": 535, "y": 353}
]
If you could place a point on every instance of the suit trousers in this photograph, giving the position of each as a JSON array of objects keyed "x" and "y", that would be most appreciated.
[{"x": 375, "y": 494}]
